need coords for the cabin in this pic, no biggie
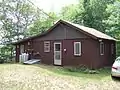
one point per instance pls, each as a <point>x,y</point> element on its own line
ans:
<point>70,44</point>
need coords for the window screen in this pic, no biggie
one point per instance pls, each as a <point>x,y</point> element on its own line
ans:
<point>47,46</point>
<point>77,48</point>
<point>101,48</point>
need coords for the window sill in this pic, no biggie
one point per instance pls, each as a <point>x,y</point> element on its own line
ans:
<point>46,52</point>
<point>77,55</point>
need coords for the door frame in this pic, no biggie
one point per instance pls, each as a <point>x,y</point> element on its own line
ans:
<point>58,62</point>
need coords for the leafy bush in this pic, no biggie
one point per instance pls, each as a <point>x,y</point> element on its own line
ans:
<point>6,53</point>
<point>1,61</point>
<point>83,69</point>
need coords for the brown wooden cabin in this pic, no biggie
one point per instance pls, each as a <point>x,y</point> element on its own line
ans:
<point>69,44</point>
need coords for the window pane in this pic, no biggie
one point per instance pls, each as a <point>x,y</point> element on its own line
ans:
<point>57,47</point>
<point>57,55</point>
<point>112,48</point>
<point>77,48</point>
<point>101,48</point>
<point>46,46</point>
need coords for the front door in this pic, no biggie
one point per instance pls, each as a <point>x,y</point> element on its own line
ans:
<point>57,53</point>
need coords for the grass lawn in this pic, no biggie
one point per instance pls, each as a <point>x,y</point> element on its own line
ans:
<point>43,77</point>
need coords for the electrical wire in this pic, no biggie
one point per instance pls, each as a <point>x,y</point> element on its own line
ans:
<point>41,10</point>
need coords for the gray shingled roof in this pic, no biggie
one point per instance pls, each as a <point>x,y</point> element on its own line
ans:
<point>91,31</point>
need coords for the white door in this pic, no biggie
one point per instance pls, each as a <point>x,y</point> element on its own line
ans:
<point>57,53</point>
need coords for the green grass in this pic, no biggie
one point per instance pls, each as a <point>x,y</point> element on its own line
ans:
<point>63,71</point>
<point>44,77</point>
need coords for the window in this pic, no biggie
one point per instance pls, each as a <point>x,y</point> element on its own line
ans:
<point>57,47</point>
<point>77,48</point>
<point>28,43</point>
<point>112,48</point>
<point>101,48</point>
<point>47,46</point>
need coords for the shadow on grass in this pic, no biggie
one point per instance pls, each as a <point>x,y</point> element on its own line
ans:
<point>101,73</point>
<point>116,79</point>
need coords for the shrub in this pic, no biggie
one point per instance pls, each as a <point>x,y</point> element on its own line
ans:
<point>83,69</point>
<point>1,61</point>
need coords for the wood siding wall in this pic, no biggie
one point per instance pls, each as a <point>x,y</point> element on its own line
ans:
<point>67,36</point>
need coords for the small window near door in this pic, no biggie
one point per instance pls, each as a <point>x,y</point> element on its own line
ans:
<point>46,46</point>
<point>101,48</point>
<point>77,48</point>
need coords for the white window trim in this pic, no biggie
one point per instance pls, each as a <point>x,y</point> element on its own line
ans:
<point>102,53</point>
<point>79,48</point>
<point>47,47</point>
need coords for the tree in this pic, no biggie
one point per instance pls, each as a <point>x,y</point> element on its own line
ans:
<point>113,21</point>
<point>93,14</point>
<point>42,24</point>
<point>69,12</point>
<point>15,18</point>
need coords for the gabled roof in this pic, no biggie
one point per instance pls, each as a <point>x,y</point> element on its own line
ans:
<point>86,30</point>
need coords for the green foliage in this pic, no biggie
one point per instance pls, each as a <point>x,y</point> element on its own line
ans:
<point>6,53</point>
<point>42,24</point>
<point>15,17</point>
<point>93,14</point>
<point>113,21</point>
<point>85,70</point>
<point>82,69</point>
<point>69,12</point>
